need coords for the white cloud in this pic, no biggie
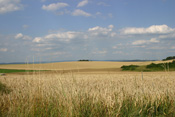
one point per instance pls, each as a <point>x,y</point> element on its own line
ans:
<point>82,3</point>
<point>3,49</point>
<point>10,6</point>
<point>18,36</point>
<point>37,39</point>
<point>154,29</point>
<point>54,6</point>
<point>141,42</point>
<point>67,37</point>
<point>60,36</point>
<point>21,36</point>
<point>97,31</point>
<point>79,12</point>
<point>171,35</point>
<point>101,29</point>
<point>63,36</point>
<point>154,40</point>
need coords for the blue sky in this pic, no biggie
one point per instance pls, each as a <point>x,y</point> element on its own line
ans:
<point>55,30</point>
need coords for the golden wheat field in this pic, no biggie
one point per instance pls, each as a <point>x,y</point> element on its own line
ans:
<point>92,93</point>
<point>76,65</point>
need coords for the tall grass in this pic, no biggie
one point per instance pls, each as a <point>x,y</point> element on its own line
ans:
<point>87,95</point>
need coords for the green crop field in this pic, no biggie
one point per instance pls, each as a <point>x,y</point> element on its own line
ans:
<point>15,71</point>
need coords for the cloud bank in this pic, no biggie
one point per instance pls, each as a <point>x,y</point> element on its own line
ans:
<point>79,12</point>
<point>54,6</point>
<point>10,6</point>
<point>82,3</point>
<point>96,42</point>
<point>154,29</point>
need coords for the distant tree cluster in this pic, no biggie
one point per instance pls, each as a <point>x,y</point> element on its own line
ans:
<point>169,58</point>
<point>161,66</point>
<point>83,60</point>
<point>151,67</point>
<point>129,67</point>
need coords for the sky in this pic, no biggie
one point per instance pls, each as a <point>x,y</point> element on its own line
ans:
<point>60,30</point>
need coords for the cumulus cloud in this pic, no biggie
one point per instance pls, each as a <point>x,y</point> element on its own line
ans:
<point>154,40</point>
<point>97,31</point>
<point>63,36</point>
<point>60,36</point>
<point>171,35</point>
<point>54,6</point>
<point>3,49</point>
<point>82,3</point>
<point>79,12</point>
<point>154,29</point>
<point>10,6</point>
<point>37,39</point>
<point>101,29</point>
<point>66,37</point>
<point>21,36</point>
<point>141,42</point>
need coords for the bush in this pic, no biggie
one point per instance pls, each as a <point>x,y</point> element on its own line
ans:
<point>83,60</point>
<point>153,65</point>
<point>130,67</point>
<point>161,66</point>
<point>169,58</point>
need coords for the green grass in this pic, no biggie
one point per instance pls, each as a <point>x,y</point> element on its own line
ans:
<point>16,70</point>
<point>86,107</point>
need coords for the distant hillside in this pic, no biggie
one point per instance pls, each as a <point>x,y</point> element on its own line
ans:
<point>170,66</point>
<point>169,58</point>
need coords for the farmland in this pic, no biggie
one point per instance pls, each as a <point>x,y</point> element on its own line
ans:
<point>87,89</point>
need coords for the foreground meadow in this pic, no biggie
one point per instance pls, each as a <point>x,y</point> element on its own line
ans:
<point>85,94</point>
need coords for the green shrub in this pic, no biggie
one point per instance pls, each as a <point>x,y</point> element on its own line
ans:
<point>151,67</point>
<point>169,58</point>
<point>83,60</point>
<point>130,67</point>
<point>155,66</point>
